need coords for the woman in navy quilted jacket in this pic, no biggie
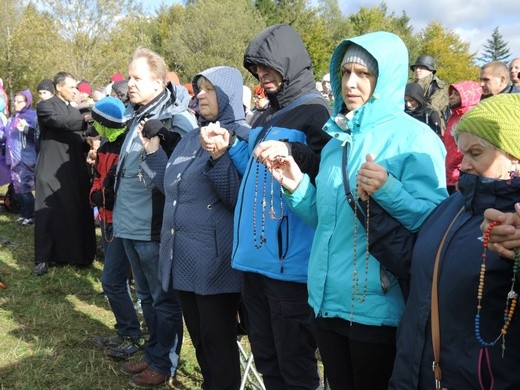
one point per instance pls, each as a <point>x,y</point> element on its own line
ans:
<point>197,233</point>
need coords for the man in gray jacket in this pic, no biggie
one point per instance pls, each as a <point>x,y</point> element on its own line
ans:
<point>138,214</point>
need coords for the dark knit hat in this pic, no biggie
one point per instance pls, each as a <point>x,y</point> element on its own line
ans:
<point>109,112</point>
<point>45,85</point>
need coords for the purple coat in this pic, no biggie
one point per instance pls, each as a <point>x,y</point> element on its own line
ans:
<point>20,146</point>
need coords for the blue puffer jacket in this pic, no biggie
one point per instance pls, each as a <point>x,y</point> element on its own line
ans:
<point>278,247</point>
<point>414,159</point>
<point>197,229</point>
<point>461,258</point>
<point>139,204</point>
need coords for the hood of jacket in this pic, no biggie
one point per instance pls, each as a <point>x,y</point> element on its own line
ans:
<point>387,100</point>
<point>470,93</point>
<point>163,107</point>
<point>227,82</point>
<point>416,92</point>
<point>27,113</point>
<point>281,48</point>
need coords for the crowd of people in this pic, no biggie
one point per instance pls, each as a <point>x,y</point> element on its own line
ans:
<point>374,219</point>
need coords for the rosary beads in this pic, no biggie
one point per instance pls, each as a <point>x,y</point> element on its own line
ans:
<point>511,298</point>
<point>356,295</point>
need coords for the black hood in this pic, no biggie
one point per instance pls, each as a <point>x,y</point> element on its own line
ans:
<point>416,92</point>
<point>280,47</point>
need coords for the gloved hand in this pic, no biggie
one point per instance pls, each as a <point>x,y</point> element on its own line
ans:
<point>154,127</point>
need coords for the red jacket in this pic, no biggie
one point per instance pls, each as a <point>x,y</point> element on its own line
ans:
<point>107,158</point>
<point>470,93</point>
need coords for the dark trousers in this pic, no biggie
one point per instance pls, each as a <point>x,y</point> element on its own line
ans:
<point>355,365</point>
<point>211,321</point>
<point>26,202</point>
<point>281,331</point>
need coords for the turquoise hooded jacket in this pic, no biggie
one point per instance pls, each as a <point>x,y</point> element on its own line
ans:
<point>413,156</point>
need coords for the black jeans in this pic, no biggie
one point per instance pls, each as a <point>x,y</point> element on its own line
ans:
<point>281,331</point>
<point>211,321</point>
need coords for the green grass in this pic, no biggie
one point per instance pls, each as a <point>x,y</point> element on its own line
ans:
<point>47,323</point>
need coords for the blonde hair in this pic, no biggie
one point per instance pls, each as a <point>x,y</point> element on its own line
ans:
<point>155,62</point>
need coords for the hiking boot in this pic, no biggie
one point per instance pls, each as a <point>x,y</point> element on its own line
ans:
<point>127,348</point>
<point>41,269</point>
<point>107,342</point>
<point>148,379</point>
<point>134,368</point>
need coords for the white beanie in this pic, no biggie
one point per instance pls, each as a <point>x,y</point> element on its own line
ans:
<point>358,55</point>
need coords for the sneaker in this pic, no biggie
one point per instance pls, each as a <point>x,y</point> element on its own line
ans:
<point>41,269</point>
<point>107,342</point>
<point>148,379</point>
<point>20,219</point>
<point>127,348</point>
<point>27,222</point>
<point>134,368</point>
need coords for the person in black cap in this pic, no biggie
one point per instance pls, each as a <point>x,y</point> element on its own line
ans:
<point>45,89</point>
<point>435,89</point>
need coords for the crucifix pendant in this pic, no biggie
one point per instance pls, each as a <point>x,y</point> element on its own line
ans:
<point>140,176</point>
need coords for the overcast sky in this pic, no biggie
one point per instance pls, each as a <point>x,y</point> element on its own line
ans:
<point>472,20</point>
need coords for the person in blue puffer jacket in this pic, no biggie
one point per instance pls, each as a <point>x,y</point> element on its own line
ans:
<point>380,155</point>
<point>270,243</point>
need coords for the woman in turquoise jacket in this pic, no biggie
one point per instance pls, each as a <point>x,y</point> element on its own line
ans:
<point>390,159</point>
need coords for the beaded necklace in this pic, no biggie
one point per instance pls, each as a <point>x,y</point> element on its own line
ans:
<point>511,298</point>
<point>356,295</point>
<point>261,241</point>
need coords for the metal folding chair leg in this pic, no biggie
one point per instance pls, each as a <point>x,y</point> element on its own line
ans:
<point>250,377</point>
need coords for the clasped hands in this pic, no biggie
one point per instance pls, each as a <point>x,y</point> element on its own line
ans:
<point>214,139</point>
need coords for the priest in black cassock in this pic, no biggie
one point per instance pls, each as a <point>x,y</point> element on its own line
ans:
<point>64,230</point>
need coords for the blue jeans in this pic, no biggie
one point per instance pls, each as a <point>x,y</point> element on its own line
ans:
<point>26,205</point>
<point>161,309</point>
<point>114,280</point>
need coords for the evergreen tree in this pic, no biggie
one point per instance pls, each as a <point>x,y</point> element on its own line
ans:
<point>496,49</point>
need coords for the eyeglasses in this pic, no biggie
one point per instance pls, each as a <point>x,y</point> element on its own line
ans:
<point>19,102</point>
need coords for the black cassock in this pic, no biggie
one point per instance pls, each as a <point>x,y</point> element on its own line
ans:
<point>64,224</point>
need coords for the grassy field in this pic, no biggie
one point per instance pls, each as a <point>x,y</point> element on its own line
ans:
<point>47,323</point>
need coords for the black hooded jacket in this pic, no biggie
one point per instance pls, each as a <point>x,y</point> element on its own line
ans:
<point>281,48</point>
<point>422,113</point>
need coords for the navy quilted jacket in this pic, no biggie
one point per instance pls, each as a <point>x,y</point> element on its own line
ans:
<point>197,229</point>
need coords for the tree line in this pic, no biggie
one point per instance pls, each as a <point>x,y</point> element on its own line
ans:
<point>94,39</point>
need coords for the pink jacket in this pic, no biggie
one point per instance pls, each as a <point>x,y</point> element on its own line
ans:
<point>470,93</point>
